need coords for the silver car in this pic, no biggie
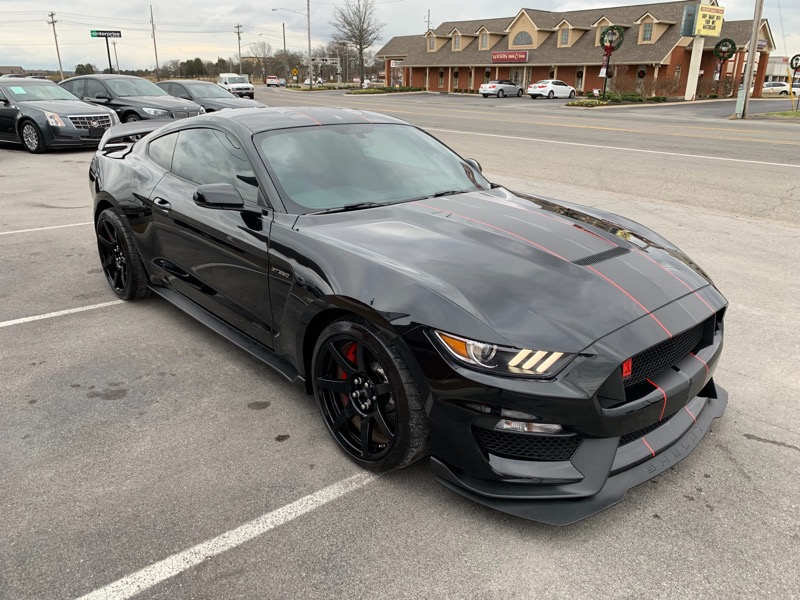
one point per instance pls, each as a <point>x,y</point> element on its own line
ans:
<point>500,88</point>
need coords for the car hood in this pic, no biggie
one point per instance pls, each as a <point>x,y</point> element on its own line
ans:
<point>511,263</point>
<point>66,107</point>
<point>220,103</point>
<point>164,102</point>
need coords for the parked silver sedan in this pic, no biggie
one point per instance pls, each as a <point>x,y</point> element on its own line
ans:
<point>500,88</point>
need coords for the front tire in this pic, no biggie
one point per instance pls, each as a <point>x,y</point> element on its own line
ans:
<point>119,258</point>
<point>572,94</point>
<point>519,93</point>
<point>132,118</point>
<point>31,137</point>
<point>368,397</point>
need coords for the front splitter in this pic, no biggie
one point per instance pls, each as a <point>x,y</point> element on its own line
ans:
<point>567,511</point>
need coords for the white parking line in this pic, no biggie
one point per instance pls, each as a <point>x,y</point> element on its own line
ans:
<point>177,563</point>
<point>528,139</point>
<point>59,313</point>
<point>44,228</point>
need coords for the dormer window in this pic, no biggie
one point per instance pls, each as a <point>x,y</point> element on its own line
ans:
<point>484,41</point>
<point>457,42</point>
<point>523,38</point>
<point>431,43</point>
<point>563,38</point>
<point>647,32</point>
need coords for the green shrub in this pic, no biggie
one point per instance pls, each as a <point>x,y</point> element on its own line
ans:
<point>587,103</point>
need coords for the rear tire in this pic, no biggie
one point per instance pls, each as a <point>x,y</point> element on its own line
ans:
<point>360,381</point>
<point>533,97</point>
<point>119,258</point>
<point>485,95</point>
<point>550,95</point>
<point>500,93</point>
<point>31,137</point>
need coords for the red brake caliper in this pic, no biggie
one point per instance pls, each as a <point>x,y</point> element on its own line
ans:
<point>349,351</point>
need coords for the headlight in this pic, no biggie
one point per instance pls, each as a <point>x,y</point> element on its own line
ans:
<point>114,118</point>
<point>156,112</point>
<point>54,119</point>
<point>202,111</point>
<point>539,364</point>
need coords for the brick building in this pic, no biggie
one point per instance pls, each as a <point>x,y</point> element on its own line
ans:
<point>539,44</point>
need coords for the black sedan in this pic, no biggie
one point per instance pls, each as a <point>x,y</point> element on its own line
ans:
<point>547,356</point>
<point>132,98</point>
<point>40,115</point>
<point>208,95</point>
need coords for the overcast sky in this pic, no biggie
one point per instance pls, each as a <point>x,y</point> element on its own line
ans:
<point>204,28</point>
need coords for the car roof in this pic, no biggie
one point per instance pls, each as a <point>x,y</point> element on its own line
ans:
<point>106,76</point>
<point>188,81</point>
<point>26,81</point>
<point>259,120</point>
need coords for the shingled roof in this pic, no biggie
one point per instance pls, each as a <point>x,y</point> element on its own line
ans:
<point>412,49</point>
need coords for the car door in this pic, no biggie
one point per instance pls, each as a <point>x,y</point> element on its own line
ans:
<point>8,118</point>
<point>561,89</point>
<point>217,258</point>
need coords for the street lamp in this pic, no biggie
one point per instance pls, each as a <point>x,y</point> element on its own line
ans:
<point>308,17</point>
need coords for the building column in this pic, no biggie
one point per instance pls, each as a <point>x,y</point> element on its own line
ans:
<point>410,76</point>
<point>427,79</point>
<point>555,72</point>
<point>758,82</point>
<point>449,79</point>
<point>737,72</point>
<point>497,72</point>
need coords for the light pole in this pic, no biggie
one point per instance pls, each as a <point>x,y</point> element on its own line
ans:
<point>308,19</point>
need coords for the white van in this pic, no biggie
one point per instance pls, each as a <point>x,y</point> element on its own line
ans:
<point>237,84</point>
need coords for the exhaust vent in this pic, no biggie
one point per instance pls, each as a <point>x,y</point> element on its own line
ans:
<point>602,256</point>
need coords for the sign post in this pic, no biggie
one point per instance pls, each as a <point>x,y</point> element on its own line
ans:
<point>794,63</point>
<point>611,39</point>
<point>101,33</point>
<point>724,50</point>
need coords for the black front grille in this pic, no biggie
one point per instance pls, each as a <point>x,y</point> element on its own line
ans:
<point>91,121</point>
<point>640,433</point>
<point>661,357</point>
<point>526,446</point>
<point>180,114</point>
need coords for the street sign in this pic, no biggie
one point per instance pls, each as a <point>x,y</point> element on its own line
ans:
<point>709,20</point>
<point>294,72</point>
<point>795,62</point>
<point>101,33</point>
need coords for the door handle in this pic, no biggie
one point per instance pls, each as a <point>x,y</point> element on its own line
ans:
<point>162,204</point>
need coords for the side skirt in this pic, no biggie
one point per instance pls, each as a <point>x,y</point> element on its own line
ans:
<point>244,342</point>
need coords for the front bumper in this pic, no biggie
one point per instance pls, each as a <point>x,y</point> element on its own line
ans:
<point>70,137</point>
<point>599,474</point>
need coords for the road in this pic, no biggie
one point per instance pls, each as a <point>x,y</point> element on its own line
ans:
<point>130,435</point>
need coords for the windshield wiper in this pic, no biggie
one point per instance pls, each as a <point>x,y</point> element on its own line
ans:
<point>448,193</point>
<point>348,207</point>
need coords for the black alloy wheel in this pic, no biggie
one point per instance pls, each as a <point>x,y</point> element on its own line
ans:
<point>368,397</point>
<point>132,118</point>
<point>32,137</point>
<point>551,94</point>
<point>500,93</point>
<point>119,259</point>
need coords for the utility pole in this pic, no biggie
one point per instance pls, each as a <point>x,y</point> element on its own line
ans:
<point>238,29</point>
<point>310,64</point>
<point>285,58</point>
<point>155,47</point>
<point>429,20</point>
<point>751,58</point>
<point>116,58</point>
<point>53,22</point>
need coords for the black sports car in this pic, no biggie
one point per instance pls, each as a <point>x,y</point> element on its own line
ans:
<point>208,95</point>
<point>132,98</point>
<point>547,356</point>
<point>40,115</point>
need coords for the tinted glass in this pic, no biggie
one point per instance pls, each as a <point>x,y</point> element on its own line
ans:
<point>22,91</point>
<point>327,167</point>
<point>74,87</point>
<point>134,87</point>
<point>211,156</point>
<point>94,87</point>
<point>160,150</point>
<point>239,79</point>
<point>209,90</point>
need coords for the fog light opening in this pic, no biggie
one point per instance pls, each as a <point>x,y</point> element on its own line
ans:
<point>527,427</point>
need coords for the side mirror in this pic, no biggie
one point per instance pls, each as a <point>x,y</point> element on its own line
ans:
<point>101,97</point>
<point>474,164</point>
<point>219,196</point>
<point>4,101</point>
<point>185,96</point>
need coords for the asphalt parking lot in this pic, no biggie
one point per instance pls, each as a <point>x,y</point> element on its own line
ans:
<point>142,455</point>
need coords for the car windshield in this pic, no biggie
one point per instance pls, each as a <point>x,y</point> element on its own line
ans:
<point>23,92</point>
<point>134,87</point>
<point>329,167</point>
<point>209,90</point>
<point>237,80</point>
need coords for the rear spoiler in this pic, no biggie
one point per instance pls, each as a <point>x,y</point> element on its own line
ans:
<point>124,135</point>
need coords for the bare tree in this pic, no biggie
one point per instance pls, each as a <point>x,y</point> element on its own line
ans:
<point>263,52</point>
<point>356,24</point>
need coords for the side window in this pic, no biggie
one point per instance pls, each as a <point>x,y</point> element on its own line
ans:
<point>76,87</point>
<point>160,150</point>
<point>212,156</point>
<point>94,87</point>
<point>176,90</point>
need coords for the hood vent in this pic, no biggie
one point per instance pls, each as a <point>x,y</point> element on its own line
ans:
<point>602,256</point>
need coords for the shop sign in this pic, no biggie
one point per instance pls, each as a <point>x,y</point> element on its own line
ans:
<point>510,57</point>
<point>709,20</point>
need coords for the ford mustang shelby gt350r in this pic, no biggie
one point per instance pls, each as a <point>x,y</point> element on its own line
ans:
<point>548,357</point>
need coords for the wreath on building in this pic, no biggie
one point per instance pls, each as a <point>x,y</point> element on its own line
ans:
<point>618,36</point>
<point>725,49</point>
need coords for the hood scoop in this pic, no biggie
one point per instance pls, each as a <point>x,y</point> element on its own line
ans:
<point>601,256</point>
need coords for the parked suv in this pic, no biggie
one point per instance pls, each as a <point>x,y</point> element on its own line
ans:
<point>132,98</point>
<point>237,84</point>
